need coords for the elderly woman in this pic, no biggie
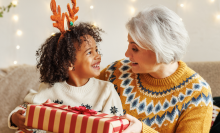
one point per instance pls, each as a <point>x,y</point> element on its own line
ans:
<point>158,90</point>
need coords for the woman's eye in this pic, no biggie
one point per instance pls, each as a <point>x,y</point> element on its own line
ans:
<point>135,49</point>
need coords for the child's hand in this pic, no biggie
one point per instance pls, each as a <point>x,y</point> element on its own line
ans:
<point>18,119</point>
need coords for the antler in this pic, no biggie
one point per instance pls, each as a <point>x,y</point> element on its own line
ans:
<point>71,19</point>
<point>57,16</point>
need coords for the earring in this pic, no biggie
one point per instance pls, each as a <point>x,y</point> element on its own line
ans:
<point>73,68</point>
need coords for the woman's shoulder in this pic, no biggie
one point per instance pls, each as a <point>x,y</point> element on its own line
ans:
<point>197,81</point>
<point>114,69</point>
<point>118,64</point>
<point>197,87</point>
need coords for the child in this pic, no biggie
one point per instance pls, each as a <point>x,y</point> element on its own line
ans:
<point>68,62</point>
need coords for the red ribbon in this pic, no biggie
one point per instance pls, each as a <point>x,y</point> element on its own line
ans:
<point>120,131</point>
<point>82,110</point>
<point>77,110</point>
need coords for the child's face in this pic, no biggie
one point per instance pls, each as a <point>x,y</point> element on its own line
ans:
<point>88,59</point>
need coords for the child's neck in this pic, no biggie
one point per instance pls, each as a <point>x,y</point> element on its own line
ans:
<point>76,81</point>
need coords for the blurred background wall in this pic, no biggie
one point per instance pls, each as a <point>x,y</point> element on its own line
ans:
<point>25,27</point>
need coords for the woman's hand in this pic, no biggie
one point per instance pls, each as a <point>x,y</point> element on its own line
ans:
<point>135,125</point>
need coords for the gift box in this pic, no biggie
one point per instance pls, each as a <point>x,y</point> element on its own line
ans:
<point>59,118</point>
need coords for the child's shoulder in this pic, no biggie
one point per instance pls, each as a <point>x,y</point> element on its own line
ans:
<point>44,86</point>
<point>102,84</point>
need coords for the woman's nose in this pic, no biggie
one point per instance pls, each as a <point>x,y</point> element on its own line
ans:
<point>127,54</point>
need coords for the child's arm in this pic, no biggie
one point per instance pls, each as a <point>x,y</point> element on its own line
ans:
<point>113,103</point>
<point>16,118</point>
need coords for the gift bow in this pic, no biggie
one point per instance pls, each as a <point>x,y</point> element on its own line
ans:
<point>77,110</point>
<point>81,110</point>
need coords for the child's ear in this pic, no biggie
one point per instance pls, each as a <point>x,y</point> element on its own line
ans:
<point>71,67</point>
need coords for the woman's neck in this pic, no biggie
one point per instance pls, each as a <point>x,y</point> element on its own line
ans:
<point>164,70</point>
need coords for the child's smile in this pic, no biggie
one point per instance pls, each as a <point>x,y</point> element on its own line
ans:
<point>96,65</point>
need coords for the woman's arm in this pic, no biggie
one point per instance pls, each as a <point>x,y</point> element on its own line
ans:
<point>195,119</point>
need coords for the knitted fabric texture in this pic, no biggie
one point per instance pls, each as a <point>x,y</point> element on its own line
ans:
<point>179,103</point>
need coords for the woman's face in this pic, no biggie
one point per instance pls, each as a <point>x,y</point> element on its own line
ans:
<point>142,60</point>
<point>88,59</point>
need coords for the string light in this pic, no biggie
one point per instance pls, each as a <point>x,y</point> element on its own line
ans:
<point>19,32</point>
<point>17,47</point>
<point>132,10</point>
<point>14,2</point>
<point>15,17</point>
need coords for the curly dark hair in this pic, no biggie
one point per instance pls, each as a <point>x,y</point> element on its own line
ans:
<point>54,59</point>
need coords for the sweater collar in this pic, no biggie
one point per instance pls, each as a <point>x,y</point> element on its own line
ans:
<point>85,88</point>
<point>168,80</point>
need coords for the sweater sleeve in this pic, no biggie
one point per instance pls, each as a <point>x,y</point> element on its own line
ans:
<point>195,119</point>
<point>20,107</point>
<point>197,116</point>
<point>28,99</point>
<point>113,103</point>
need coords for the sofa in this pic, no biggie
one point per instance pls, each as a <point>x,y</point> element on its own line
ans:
<point>16,81</point>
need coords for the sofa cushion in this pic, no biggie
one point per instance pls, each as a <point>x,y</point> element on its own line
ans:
<point>215,113</point>
<point>15,83</point>
<point>210,71</point>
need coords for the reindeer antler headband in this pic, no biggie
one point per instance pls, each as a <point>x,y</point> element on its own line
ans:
<point>59,19</point>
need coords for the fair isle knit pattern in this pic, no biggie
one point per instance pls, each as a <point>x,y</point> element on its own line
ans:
<point>181,102</point>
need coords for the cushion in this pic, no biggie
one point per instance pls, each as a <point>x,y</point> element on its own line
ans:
<point>215,113</point>
<point>15,81</point>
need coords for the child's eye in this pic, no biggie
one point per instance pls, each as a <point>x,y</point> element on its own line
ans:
<point>89,53</point>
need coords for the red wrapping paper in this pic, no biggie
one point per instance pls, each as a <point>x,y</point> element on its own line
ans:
<point>57,119</point>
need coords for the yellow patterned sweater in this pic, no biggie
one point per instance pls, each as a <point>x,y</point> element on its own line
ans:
<point>180,103</point>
